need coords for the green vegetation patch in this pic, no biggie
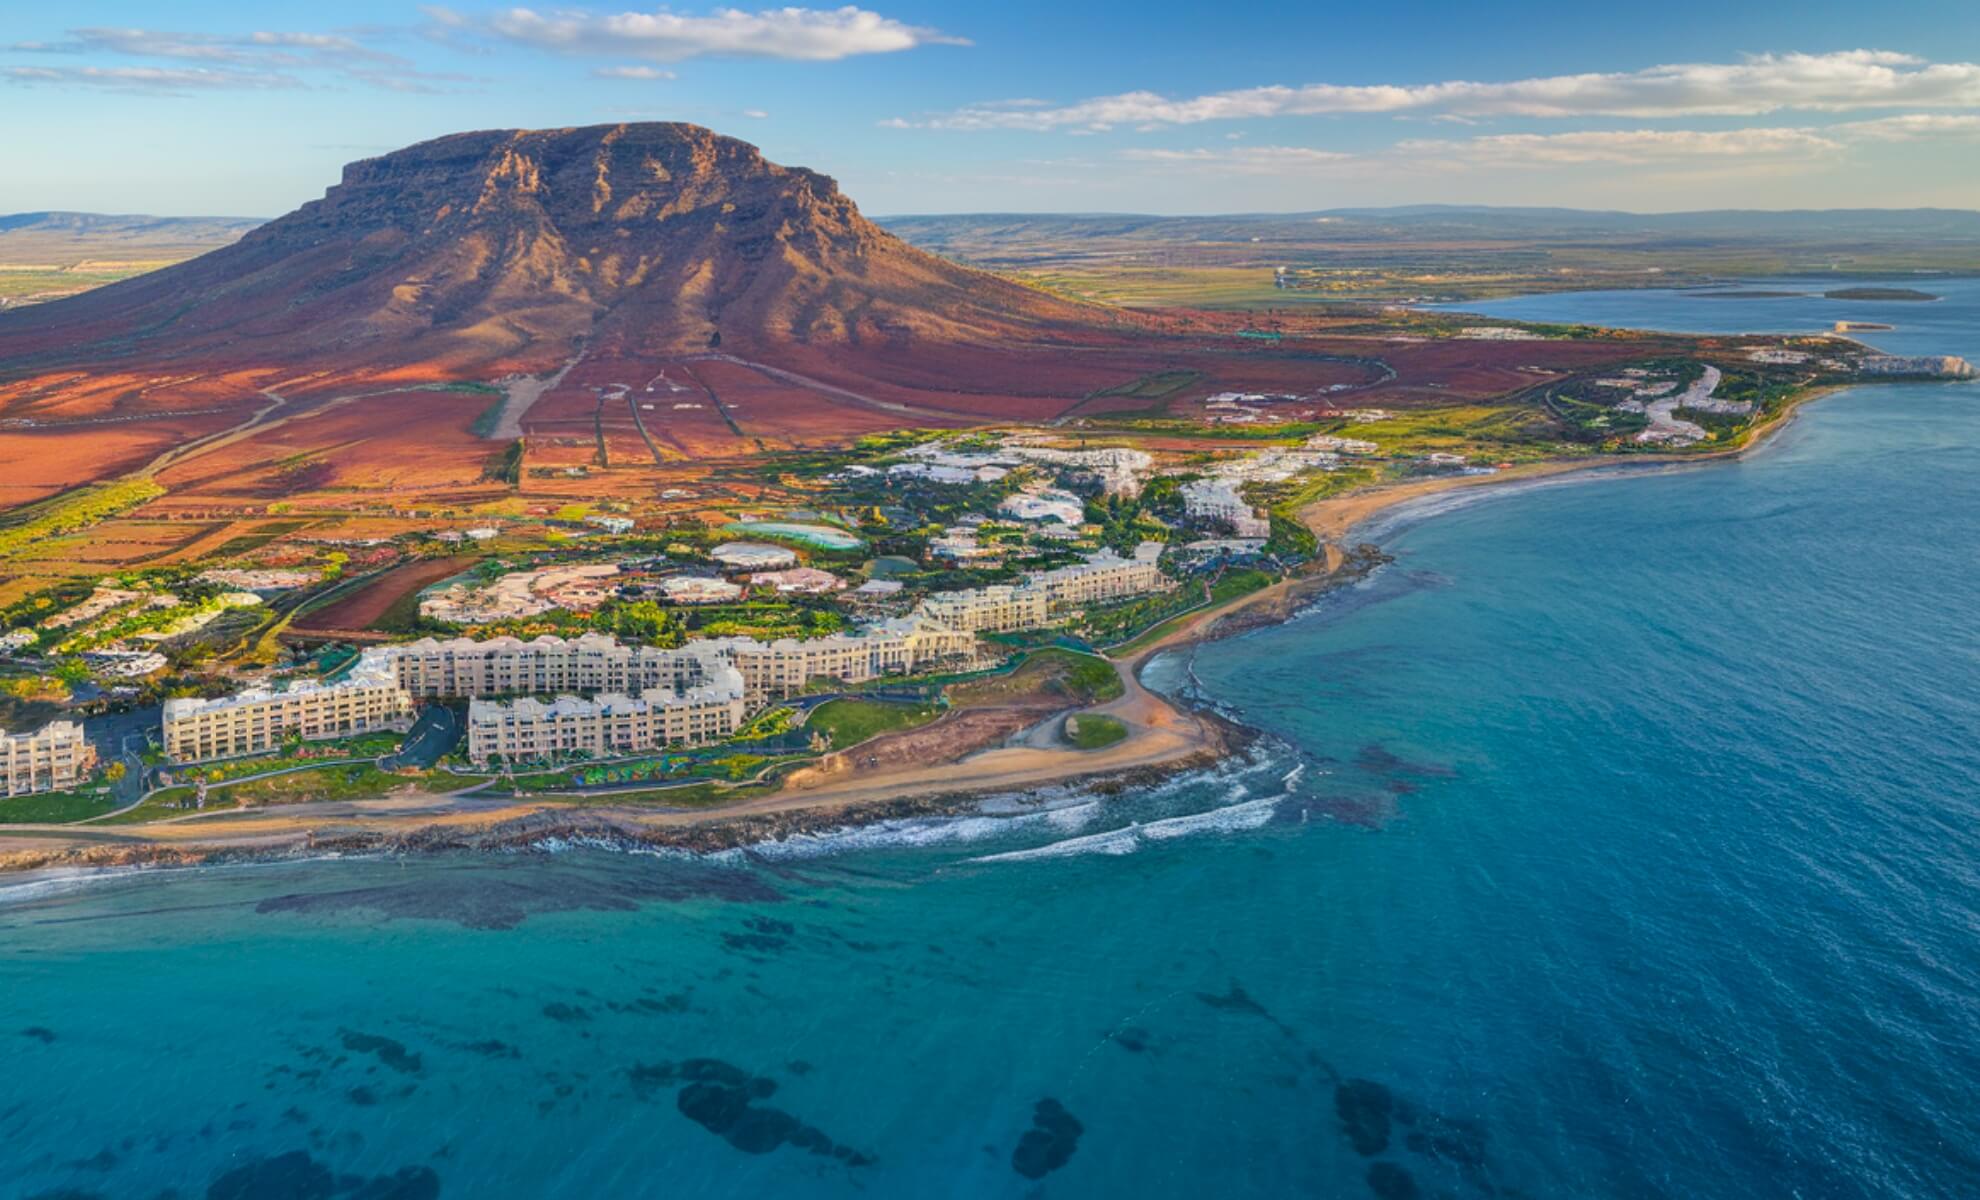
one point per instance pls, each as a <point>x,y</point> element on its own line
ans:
<point>55,808</point>
<point>72,511</point>
<point>848,722</point>
<point>1088,678</point>
<point>1093,731</point>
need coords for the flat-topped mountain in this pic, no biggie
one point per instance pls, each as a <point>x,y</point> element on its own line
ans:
<point>513,244</point>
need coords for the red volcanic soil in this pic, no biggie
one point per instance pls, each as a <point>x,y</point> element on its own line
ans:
<point>396,442</point>
<point>750,304</point>
<point>361,608</point>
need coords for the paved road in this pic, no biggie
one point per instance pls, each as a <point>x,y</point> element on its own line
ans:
<point>437,731</point>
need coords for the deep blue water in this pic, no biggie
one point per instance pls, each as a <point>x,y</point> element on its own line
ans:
<point>1621,839</point>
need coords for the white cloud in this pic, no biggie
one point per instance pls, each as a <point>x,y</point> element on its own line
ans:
<point>1658,149</point>
<point>631,73</point>
<point>755,114</point>
<point>809,34</point>
<point>1250,160</point>
<point>1837,82</point>
<point>261,59</point>
<point>1911,127</point>
<point>1630,147</point>
<point>154,79</point>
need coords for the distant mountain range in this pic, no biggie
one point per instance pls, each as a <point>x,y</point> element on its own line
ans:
<point>1437,222</point>
<point>65,238</point>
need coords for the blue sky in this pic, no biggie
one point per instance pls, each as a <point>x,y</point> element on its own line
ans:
<point>251,109</point>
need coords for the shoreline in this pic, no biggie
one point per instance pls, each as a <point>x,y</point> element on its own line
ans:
<point>1169,736</point>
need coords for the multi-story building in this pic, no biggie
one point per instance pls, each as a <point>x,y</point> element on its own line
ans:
<point>54,757</point>
<point>1218,500</point>
<point>366,700</point>
<point>505,666</point>
<point>526,730</point>
<point>599,663</point>
<point>998,608</point>
<point>1003,608</point>
<point>898,647</point>
<point>1103,576</point>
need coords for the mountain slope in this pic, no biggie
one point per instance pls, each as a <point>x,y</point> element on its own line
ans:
<point>508,245</point>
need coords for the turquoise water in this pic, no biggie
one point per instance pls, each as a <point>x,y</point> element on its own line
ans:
<point>1949,325</point>
<point>1622,838</point>
<point>822,537</point>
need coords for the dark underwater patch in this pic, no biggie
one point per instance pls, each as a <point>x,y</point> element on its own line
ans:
<point>566,1014</point>
<point>1132,1038</point>
<point>724,1099</point>
<point>385,1050</point>
<point>39,1033</point>
<point>1377,759</point>
<point>470,898</point>
<point>1365,1108</point>
<point>490,1048</point>
<point>297,1176</point>
<point>1049,1143</point>
<point>1390,1182</point>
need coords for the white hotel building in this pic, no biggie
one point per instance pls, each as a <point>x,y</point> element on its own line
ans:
<point>1003,608</point>
<point>51,758</point>
<point>610,724</point>
<point>365,701</point>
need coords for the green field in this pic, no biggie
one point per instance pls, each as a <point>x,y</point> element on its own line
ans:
<point>849,722</point>
<point>1093,731</point>
<point>54,808</point>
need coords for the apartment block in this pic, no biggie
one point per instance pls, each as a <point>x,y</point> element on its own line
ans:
<point>526,730</point>
<point>367,700</point>
<point>51,758</point>
<point>506,666</point>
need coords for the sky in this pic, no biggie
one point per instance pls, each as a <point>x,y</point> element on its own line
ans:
<point>206,108</point>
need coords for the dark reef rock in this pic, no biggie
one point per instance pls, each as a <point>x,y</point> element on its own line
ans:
<point>39,1033</point>
<point>1049,1143</point>
<point>475,901</point>
<point>385,1050</point>
<point>297,1176</point>
<point>1365,1108</point>
<point>723,1099</point>
<point>1390,1182</point>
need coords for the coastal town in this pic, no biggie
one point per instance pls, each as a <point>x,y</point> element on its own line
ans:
<point>725,639</point>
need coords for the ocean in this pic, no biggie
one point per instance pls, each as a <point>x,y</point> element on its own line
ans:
<point>1620,839</point>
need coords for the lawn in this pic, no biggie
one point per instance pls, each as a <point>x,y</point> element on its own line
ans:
<point>849,722</point>
<point>54,808</point>
<point>1088,677</point>
<point>1092,731</point>
<point>158,806</point>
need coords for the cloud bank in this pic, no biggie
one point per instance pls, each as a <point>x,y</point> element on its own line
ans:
<point>1760,84</point>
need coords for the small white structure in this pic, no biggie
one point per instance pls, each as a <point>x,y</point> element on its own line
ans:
<point>610,524</point>
<point>1062,507</point>
<point>698,589</point>
<point>799,581</point>
<point>753,556</point>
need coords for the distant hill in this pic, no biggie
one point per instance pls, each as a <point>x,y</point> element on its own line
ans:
<point>67,238</point>
<point>515,245</point>
<point>1434,222</point>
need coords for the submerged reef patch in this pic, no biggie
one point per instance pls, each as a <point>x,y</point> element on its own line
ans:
<point>1049,1143</point>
